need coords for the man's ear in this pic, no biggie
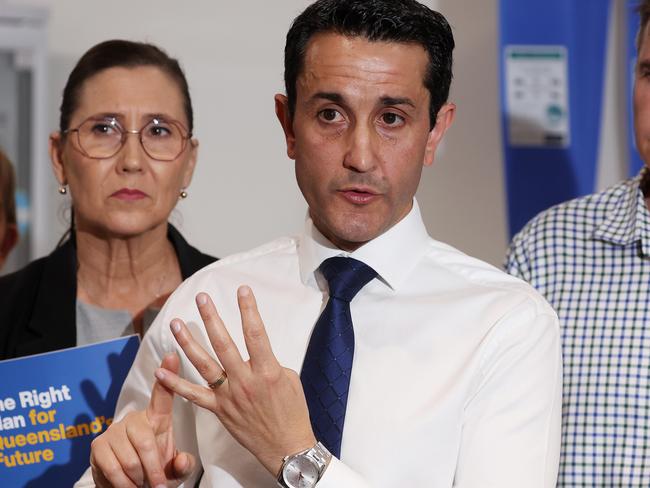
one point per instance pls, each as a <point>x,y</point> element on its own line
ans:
<point>56,157</point>
<point>286,121</point>
<point>444,119</point>
<point>8,243</point>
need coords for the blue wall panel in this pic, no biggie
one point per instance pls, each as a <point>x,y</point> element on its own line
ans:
<point>539,177</point>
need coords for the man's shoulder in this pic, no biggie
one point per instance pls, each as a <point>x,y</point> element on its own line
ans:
<point>549,241</point>
<point>482,277</point>
<point>267,258</point>
<point>580,217</point>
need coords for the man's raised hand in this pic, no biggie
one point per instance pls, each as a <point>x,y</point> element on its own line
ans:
<point>261,403</point>
<point>140,448</point>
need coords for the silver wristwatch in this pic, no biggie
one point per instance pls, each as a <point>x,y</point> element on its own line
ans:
<point>304,469</point>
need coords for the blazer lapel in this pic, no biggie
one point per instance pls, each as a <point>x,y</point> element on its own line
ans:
<point>53,322</point>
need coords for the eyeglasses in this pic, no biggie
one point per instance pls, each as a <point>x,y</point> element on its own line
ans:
<point>102,138</point>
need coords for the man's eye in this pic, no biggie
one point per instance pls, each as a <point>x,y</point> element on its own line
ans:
<point>392,119</point>
<point>330,115</point>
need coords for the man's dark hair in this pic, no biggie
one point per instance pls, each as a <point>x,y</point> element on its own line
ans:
<point>121,54</point>
<point>644,16</point>
<point>405,21</point>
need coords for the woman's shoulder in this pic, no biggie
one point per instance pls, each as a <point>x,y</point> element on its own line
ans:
<point>18,294</point>
<point>21,287</point>
<point>20,282</point>
<point>34,297</point>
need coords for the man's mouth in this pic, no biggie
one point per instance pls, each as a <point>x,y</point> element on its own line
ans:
<point>359,196</point>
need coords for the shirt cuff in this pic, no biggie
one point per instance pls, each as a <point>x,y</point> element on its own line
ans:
<point>339,474</point>
<point>86,481</point>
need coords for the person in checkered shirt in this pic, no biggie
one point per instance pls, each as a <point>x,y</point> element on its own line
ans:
<point>590,258</point>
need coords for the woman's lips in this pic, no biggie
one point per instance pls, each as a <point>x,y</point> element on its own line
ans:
<point>129,194</point>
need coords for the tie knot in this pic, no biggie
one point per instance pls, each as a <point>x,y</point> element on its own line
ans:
<point>346,276</point>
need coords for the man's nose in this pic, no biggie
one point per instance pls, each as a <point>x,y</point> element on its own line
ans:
<point>360,155</point>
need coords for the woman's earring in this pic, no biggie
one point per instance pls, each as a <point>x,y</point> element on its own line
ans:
<point>63,189</point>
<point>183,194</point>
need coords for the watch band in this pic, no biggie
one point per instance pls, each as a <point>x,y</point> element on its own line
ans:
<point>318,455</point>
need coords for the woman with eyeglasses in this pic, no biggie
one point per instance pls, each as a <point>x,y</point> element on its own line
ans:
<point>124,154</point>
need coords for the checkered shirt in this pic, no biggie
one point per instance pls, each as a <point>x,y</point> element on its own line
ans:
<point>590,258</point>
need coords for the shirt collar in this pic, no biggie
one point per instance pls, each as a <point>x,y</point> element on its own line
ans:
<point>392,255</point>
<point>628,220</point>
<point>642,223</point>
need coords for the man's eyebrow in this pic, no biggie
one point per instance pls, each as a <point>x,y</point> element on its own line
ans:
<point>644,65</point>
<point>331,96</point>
<point>386,101</point>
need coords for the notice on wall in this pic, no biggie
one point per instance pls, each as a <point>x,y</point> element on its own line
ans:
<point>53,405</point>
<point>537,96</point>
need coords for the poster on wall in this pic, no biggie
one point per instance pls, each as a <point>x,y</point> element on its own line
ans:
<point>537,95</point>
<point>53,405</point>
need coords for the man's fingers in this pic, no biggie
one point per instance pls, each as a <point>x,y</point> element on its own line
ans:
<point>130,462</point>
<point>160,407</point>
<point>257,341</point>
<point>220,339</point>
<point>206,365</point>
<point>199,395</point>
<point>102,481</point>
<point>182,465</point>
<point>144,443</point>
<point>106,469</point>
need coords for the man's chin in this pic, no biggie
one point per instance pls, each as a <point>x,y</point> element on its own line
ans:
<point>351,235</point>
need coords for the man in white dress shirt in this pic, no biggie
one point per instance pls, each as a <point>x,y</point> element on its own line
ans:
<point>456,379</point>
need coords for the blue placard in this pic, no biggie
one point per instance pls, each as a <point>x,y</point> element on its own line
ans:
<point>52,406</point>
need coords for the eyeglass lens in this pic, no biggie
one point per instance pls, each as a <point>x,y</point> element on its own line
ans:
<point>160,139</point>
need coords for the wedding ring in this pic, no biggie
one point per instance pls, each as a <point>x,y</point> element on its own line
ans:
<point>216,384</point>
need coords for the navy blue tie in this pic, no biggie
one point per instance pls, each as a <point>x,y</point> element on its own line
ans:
<point>327,366</point>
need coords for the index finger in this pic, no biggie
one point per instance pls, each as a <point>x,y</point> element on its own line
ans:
<point>159,410</point>
<point>255,336</point>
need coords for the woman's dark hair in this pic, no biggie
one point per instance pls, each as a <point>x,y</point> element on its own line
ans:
<point>123,54</point>
<point>404,21</point>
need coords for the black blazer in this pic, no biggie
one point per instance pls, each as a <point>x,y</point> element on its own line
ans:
<point>38,302</point>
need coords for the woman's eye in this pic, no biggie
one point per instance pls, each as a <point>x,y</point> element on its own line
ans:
<point>103,129</point>
<point>392,119</point>
<point>330,115</point>
<point>158,131</point>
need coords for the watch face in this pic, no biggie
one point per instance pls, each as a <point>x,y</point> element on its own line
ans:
<point>300,472</point>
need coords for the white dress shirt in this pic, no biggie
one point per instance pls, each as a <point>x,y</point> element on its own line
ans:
<point>456,378</point>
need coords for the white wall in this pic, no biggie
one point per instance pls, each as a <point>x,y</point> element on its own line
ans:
<point>244,191</point>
